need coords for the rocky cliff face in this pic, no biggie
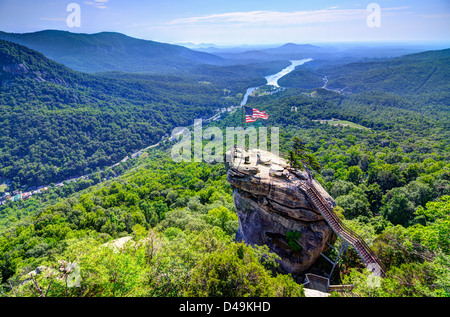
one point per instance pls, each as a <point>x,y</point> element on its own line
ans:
<point>14,70</point>
<point>274,211</point>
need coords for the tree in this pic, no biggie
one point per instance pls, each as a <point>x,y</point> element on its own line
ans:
<point>341,187</point>
<point>300,157</point>
<point>354,204</point>
<point>397,208</point>
<point>374,196</point>
<point>238,271</point>
<point>223,218</point>
<point>355,175</point>
<point>386,175</point>
<point>160,209</point>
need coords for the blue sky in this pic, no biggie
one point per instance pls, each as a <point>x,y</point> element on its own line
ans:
<point>238,22</point>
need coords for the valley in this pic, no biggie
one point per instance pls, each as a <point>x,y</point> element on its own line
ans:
<point>93,127</point>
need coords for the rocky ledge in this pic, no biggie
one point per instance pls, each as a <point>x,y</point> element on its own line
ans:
<point>274,211</point>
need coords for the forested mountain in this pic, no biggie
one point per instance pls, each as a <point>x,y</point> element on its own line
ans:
<point>388,172</point>
<point>108,51</point>
<point>391,183</point>
<point>185,211</point>
<point>425,72</point>
<point>57,123</point>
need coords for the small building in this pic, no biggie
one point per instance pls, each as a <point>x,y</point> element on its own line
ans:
<point>137,154</point>
<point>17,197</point>
<point>26,195</point>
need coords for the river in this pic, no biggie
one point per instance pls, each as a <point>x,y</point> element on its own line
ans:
<point>273,79</point>
<point>248,93</point>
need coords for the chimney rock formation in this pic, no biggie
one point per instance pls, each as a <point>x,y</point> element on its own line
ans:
<point>274,211</point>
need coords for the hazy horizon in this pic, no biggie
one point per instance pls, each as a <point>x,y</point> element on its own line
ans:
<point>339,45</point>
<point>237,23</point>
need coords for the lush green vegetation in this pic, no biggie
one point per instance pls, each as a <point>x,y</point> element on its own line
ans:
<point>57,123</point>
<point>387,181</point>
<point>182,220</point>
<point>410,74</point>
<point>391,183</point>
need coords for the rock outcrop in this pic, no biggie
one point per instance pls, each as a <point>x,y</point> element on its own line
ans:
<point>15,69</point>
<point>274,211</point>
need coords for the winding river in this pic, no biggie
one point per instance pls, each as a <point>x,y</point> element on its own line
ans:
<point>273,79</point>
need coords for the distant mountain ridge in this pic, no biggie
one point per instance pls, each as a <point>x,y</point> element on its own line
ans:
<point>342,53</point>
<point>417,73</point>
<point>109,51</point>
<point>288,51</point>
<point>112,52</point>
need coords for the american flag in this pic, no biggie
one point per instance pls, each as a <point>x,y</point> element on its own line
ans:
<point>252,114</point>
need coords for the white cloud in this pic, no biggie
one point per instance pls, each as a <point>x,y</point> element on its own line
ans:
<point>274,18</point>
<point>260,27</point>
<point>100,4</point>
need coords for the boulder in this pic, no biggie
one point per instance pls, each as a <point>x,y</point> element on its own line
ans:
<point>274,211</point>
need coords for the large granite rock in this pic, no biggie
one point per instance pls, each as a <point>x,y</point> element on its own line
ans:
<point>274,211</point>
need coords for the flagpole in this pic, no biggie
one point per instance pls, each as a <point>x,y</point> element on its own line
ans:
<point>242,137</point>
<point>242,116</point>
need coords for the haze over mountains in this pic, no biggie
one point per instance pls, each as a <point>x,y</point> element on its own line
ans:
<point>417,73</point>
<point>108,51</point>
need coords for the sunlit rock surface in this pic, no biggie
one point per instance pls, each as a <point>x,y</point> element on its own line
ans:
<point>274,211</point>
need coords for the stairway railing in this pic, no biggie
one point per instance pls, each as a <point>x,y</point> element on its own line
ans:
<point>357,242</point>
<point>336,224</point>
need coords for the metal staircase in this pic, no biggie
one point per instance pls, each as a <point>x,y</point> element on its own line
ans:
<point>347,235</point>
